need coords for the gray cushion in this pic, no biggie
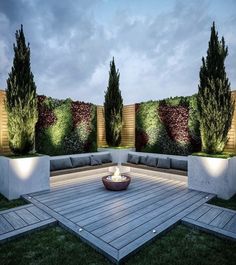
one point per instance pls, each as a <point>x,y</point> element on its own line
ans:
<point>151,161</point>
<point>95,160</point>
<point>143,160</point>
<point>129,158</point>
<point>58,164</point>
<point>106,158</point>
<point>80,161</point>
<point>163,162</point>
<point>134,159</point>
<point>179,164</point>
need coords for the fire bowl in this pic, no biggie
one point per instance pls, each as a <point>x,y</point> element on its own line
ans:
<point>116,185</point>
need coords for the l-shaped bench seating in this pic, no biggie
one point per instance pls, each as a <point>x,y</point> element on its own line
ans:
<point>167,164</point>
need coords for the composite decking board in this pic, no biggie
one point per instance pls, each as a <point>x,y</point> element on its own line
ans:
<point>92,186</point>
<point>70,192</point>
<point>222,219</point>
<point>221,232</point>
<point>171,217</point>
<point>16,208</point>
<point>125,221</point>
<point>219,207</point>
<point>41,215</point>
<point>4,226</point>
<point>83,183</point>
<point>135,203</point>
<point>145,218</point>
<point>15,220</point>
<point>129,196</point>
<point>27,216</point>
<point>100,211</point>
<point>231,225</point>
<point>159,230</point>
<point>105,194</point>
<point>197,213</point>
<point>99,190</point>
<point>105,248</point>
<point>26,229</point>
<point>209,215</point>
<point>113,215</point>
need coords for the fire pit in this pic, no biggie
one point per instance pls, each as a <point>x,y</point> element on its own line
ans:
<point>116,181</point>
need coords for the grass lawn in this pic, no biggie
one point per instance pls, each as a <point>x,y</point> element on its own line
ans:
<point>231,203</point>
<point>182,245</point>
<point>5,204</point>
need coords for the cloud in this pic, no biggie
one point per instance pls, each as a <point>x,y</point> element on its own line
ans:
<point>158,55</point>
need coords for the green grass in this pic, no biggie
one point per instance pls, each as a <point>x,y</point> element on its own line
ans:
<point>181,246</point>
<point>231,203</point>
<point>224,155</point>
<point>5,204</point>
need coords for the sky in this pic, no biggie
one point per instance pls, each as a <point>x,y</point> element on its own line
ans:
<point>157,45</point>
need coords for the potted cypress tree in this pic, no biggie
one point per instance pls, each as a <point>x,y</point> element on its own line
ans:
<point>23,172</point>
<point>212,170</point>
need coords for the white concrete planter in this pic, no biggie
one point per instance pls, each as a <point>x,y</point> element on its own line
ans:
<point>20,176</point>
<point>118,155</point>
<point>213,175</point>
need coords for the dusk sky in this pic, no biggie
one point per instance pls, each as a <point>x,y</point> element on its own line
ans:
<point>157,45</point>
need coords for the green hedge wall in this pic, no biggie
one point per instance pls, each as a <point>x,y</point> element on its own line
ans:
<point>65,127</point>
<point>168,126</point>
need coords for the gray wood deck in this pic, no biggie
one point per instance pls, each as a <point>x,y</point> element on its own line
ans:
<point>217,220</point>
<point>118,223</point>
<point>21,220</point>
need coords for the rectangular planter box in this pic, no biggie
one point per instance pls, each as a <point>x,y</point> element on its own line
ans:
<point>213,175</point>
<point>118,155</point>
<point>23,175</point>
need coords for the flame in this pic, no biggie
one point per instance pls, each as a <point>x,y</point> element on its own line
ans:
<point>116,177</point>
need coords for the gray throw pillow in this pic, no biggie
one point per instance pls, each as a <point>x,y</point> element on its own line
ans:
<point>163,163</point>
<point>134,159</point>
<point>129,158</point>
<point>151,161</point>
<point>58,164</point>
<point>95,160</point>
<point>179,164</point>
<point>106,158</point>
<point>80,161</point>
<point>143,160</point>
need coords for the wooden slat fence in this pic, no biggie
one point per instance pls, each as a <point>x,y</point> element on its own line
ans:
<point>128,128</point>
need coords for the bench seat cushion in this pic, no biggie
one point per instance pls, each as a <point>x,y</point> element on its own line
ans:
<point>164,170</point>
<point>80,169</point>
<point>80,161</point>
<point>60,164</point>
<point>179,164</point>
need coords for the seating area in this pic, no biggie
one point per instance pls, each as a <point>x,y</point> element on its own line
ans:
<point>61,165</point>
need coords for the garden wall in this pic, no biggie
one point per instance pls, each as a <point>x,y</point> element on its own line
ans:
<point>168,126</point>
<point>65,126</point>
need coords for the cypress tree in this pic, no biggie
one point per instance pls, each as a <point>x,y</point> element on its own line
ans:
<point>215,105</point>
<point>21,99</point>
<point>113,106</point>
